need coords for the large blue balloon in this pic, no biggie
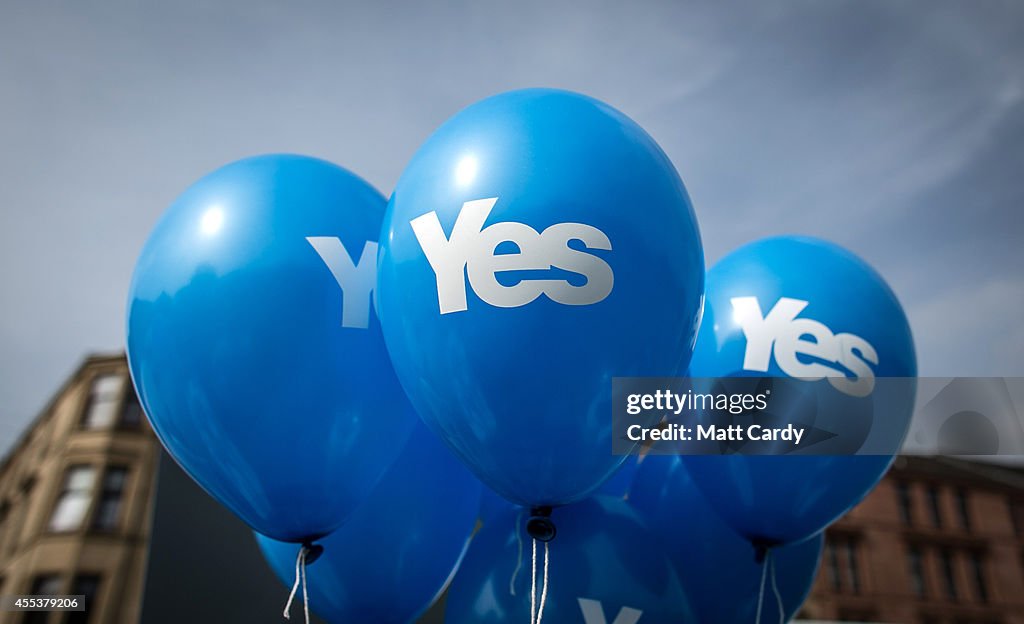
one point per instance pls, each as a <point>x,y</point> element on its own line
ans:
<point>717,567</point>
<point>604,561</point>
<point>537,245</point>
<point>269,386</point>
<point>816,312</point>
<point>493,505</point>
<point>621,481</point>
<point>394,556</point>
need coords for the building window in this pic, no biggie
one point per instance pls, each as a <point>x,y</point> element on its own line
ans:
<point>131,411</point>
<point>852,569</point>
<point>978,572</point>
<point>104,398</point>
<point>109,506</point>
<point>844,569</point>
<point>934,505</point>
<point>916,571</point>
<point>833,565</point>
<point>46,585</point>
<point>86,585</point>
<point>74,499</point>
<point>903,498</point>
<point>948,573</point>
<point>43,585</point>
<point>963,507</point>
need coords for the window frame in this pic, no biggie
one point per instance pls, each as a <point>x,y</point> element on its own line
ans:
<point>979,576</point>
<point>851,549</point>
<point>963,507</point>
<point>71,617</point>
<point>905,502</point>
<point>130,398</point>
<point>933,494</point>
<point>916,569</point>
<point>32,589</point>
<point>98,499</point>
<point>90,400</point>
<point>947,566</point>
<point>835,571</point>
<point>63,490</point>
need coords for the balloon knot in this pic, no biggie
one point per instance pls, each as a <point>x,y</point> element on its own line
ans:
<point>539,525</point>
<point>761,548</point>
<point>313,551</point>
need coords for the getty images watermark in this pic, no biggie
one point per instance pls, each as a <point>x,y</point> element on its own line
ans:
<point>790,416</point>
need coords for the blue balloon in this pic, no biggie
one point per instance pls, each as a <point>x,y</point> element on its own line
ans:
<point>271,388</point>
<point>621,481</point>
<point>604,561</point>
<point>717,567</point>
<point>506,337</point>
<point>815,312</point>
<point>396,554</point>
<point>493,505</point>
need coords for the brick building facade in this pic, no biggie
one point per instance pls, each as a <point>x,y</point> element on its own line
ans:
<point>939,541</point>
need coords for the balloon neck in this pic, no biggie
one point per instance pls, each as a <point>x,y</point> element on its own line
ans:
<point>761,548</point>
<point>539,526</point>
<point>313,551</point>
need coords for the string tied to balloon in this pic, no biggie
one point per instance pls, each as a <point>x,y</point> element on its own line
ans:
<point>308,553</point>
<point>763,555</point>
<point>775,590</point>
<point>541,529</point>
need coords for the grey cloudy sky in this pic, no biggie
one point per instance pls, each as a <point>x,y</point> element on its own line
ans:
<point>893,128</point>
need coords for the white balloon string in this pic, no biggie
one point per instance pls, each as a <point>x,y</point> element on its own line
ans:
<point>300,562</point>
<point>544,586</point>
<point>760,596</point>
<point>519,555</point>
<point>775,590</point>
<point>305,595</point>
<point>533,585</point>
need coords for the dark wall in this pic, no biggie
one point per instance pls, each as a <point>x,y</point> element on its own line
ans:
<point>204,564</point>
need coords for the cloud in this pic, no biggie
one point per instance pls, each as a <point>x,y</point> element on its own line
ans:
<point>891,128</point>
<point>979,323</point>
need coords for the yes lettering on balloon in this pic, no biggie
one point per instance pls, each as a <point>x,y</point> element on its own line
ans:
<point>356,280</point>
<point>471,250</point>
<point>593,613</point>
<point>780,331</point>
